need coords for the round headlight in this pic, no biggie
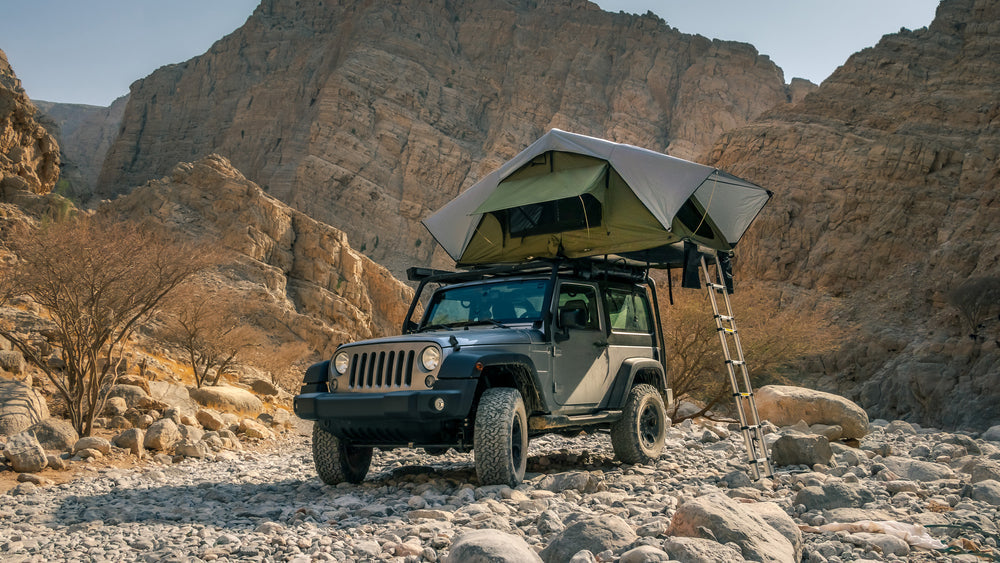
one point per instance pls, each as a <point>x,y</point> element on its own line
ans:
<point>430,358</point>
<point>340,362</point>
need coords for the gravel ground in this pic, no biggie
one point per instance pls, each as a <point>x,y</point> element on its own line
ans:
<point>268,505</point>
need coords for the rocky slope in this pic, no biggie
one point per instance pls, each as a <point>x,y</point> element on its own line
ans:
<point>85,134</point>
<point>886,197</point>
<point>368,116</point>
<point>29,156</point>
<point>320,289</point>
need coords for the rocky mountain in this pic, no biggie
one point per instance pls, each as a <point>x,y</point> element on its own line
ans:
<point>85,134</point>
<point>316,285</point>
<point>29,156</point>
<point>368,116</point>
<point>886,182</point>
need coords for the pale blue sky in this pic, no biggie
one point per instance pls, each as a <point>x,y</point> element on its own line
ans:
<point>90,51</point>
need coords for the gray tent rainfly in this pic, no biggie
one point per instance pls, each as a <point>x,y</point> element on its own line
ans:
<point>570,195</point>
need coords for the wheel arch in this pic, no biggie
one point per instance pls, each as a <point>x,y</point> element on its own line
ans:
<point>634,371</point>
<point>511,370</point>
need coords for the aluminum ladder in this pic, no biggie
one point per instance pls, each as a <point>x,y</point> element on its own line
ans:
<point>757,459</point>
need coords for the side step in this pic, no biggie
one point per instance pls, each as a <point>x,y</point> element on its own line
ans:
<point>546,422</point>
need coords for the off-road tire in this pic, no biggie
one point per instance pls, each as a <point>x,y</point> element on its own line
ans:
<point>500,441</point>
<point>337,461</point>
<point>639,435</point>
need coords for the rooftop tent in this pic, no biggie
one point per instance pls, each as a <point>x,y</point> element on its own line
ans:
<point>575,196</point>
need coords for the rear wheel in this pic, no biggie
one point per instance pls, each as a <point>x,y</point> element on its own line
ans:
<point>500,441</point>
<point>336,460</point>
<point>639,436</point>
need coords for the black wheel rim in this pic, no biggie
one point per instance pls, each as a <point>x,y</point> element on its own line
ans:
<point>649,426</point>
<point>516,439</point>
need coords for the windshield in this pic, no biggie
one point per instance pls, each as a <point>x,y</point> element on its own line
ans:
<point>497,303</point>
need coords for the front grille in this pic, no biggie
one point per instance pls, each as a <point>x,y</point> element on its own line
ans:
<point>383,368</point>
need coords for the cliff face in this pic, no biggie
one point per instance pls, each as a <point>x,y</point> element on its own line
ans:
<point>318,287</point>
<point>85,134</point>
<point>368,116</point>
<point>29,156</point>
<point>888,195</point>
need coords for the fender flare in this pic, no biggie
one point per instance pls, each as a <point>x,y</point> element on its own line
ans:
<point>627,373</point>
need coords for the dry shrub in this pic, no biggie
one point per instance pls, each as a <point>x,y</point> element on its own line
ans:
<point>777,332</point>
<point>97,280</point>
<point>976,300</point>
<point>219,327</point>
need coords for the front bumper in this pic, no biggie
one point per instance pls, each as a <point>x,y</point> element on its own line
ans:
<point>393,419</point>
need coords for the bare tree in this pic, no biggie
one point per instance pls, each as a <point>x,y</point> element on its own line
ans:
<point>214,327</point>
<point>97,280</point>
<point>775,336</point>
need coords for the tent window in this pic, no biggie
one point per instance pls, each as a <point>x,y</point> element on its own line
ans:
<point>566,214</point>
<point>692,218</point>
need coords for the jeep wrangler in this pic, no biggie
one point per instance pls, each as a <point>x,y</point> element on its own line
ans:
<point>500,354</point>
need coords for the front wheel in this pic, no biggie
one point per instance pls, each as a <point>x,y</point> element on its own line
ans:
<point>336,460</point>
<point>639,436</point>
<point>500,441</point>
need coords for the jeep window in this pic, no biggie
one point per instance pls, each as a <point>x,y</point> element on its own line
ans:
<point>500,302</point>
<point>573,297</point>
<point>628,311</point>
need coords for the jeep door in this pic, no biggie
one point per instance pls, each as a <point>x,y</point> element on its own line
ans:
<point>580,374</point>
<point>630,319</point>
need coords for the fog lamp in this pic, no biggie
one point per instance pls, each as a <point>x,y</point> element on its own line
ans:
<point>439,404</point>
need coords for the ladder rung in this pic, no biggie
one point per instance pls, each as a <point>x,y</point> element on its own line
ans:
<point>751,427</point>
<point>736,362</point>
<point>726,318</point>
<point>729,330</point>
<point>716,286</point>
<point>743,395</point>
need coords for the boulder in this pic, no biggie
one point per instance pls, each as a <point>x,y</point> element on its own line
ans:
<point>644,554</point>
<point>93,443</point>
<point>132,440</point>
<point>175,395</point>
<point>729,521</point>
<point>229,399</point>
<point>115,406</point>
<point>490,546</point>
<point>162,435</point>
<point>132,394</point>
<point>801,449</point>
<point>916,470</point>
<point>12,361</point>
<point>992,434</point>
<point>836,494</point>
<point>134,380</point>
<point>700,550</point>
<point>987,491</point>
<point>253,429</point>
<point>265,387</point>
<point>592,533</point>
<point>784,405</point>
<point>210,419</point>
<point>55,434</point>
<point>982,469</point>
<point>777,518</point>
<point>190,448</point>
<point>25,454</point>
<point>20,407</point>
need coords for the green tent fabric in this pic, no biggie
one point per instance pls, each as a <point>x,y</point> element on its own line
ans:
<point>576,196</point>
